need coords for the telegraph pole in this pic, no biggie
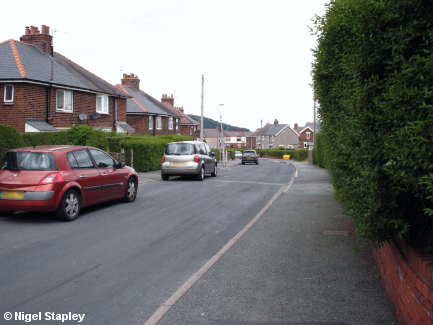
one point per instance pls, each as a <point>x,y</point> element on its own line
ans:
<point>202,94</point>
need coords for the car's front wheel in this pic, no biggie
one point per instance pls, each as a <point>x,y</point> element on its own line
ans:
<point>131,190</point>
<point>200,176</point>
<point>70,206</point>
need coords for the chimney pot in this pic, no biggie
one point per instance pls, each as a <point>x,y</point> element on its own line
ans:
<point>276,122</point>
<point>32,30</point>
<point>27,30</point>
<point>45,29</point>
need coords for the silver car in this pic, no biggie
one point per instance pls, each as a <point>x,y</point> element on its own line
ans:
<point>188,158</point>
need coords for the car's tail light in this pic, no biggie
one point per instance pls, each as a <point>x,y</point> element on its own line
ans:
<point>196,158</point>
<point>163,159</point>
<point>51,178</point>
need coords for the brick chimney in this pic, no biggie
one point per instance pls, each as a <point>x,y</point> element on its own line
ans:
<point>276,122</point>
<point>44,41</point>
<point>180,109</point>
<point>295,127</point>
<point>166,99</point>
<point>131,81</point>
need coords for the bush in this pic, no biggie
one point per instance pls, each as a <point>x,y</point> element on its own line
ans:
<point>10,139</point>
<point>45,138</point>
<point>98,139</point>
<point>79,135</point>
<point>373,77</point>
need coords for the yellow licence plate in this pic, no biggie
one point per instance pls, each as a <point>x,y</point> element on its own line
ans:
<point>178,163</point>
<point>15,195</point>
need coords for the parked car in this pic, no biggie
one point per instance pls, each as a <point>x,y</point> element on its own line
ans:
<point>238,154</point>
<point>63,179</point>
<point>188,158</point>
<point>250,156</point>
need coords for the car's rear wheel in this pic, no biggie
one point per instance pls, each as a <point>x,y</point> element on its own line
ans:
<point>164,177</point>
<point>70,206</point>
<point>200,176</point>
<point>214,174</point>
<point>131,190</point>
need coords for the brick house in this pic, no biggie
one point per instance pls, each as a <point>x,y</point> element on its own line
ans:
<point>187,125</point>
<point>149,116</point>
<point>306,134</point>
<point>41,90</point>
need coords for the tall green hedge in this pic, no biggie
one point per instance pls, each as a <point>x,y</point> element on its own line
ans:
<point>373,78</point>
<point>319,156</point>
<point>10,139</point>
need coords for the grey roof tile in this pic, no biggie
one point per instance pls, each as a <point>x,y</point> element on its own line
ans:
<point>40,66</point>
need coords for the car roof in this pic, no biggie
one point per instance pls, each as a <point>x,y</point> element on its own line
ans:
<point>48,148</point>
<point>191,142</point>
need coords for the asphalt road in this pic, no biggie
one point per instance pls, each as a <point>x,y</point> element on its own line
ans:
<point>118,262</point>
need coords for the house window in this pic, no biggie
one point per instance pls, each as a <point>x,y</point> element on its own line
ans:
<point>177,124</point>
<point>308,135</point>
<point>150,122</point>
<point>9,94</point>
<point>159,123</point>
<point>305,145</point>
<point>65,100</point>
<point>170,123</point>
<point>102,104</point>
<point>263,137</point>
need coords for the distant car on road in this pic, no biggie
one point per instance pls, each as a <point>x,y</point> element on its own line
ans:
<point>238,154</point>
<point>250,156</point>
<point>188,158</point>
<point>63,179</point>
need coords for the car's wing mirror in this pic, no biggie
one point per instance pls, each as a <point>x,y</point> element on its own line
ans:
<point>120,164</point>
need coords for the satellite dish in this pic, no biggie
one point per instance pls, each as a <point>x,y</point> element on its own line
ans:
<point>96,116</point>
<point>82,117</point>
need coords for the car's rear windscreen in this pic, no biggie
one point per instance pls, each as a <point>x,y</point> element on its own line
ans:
<point>29,161</point>
<point>180,149</point>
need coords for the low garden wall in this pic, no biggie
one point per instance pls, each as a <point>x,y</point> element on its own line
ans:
<point>408,277</point>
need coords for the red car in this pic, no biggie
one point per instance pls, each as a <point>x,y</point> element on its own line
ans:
<point>63,179</point>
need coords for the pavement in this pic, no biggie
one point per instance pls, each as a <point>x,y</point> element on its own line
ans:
<point>293,264</point>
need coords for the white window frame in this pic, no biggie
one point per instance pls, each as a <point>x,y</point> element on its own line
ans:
<point>305,145</point>
<point>159,123</point>
<point>9,100</point>
<point>103,107</point>
<point>66,94</point>
<point>308,135</point>
<point>170,123</point>
<point>150,122</point>
<point>177,124</point>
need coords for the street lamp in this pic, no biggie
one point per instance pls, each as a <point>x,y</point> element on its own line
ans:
<point>222,143</point>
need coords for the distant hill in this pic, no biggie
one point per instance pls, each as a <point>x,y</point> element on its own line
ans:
<point>208,123</point>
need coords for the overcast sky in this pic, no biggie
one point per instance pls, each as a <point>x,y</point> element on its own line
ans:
<point>255,55</point>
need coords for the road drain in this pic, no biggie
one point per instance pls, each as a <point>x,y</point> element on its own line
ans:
<point>343,233</point>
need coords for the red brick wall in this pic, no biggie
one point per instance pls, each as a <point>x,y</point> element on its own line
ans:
<point>32,101</point>
<point>408,278</point>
